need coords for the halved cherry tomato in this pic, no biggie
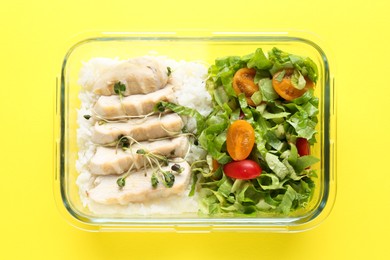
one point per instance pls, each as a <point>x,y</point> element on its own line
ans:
<point>285,88</point>
<point>243,82</point>
<point>244,170</point>
<point>303,146</point>
<point>240,139</point>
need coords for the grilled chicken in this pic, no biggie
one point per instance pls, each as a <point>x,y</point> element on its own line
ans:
<point>139,129</point>
<point>108,160</point>
<point>138,187</point>
<point>139,75</point>
<point>134,105</point>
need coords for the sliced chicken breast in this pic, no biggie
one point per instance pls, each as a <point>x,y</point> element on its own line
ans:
<point>140,129</point>
<point>108,160</point>
<point>138,187</point>
<point>134,105</point>
<point>140,76</point>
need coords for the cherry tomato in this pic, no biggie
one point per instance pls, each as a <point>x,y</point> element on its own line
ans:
<point>240,140</point>
<point>285,88</point>
<point>243,82</point>
<point>244,170</point>
<point>303,146</point>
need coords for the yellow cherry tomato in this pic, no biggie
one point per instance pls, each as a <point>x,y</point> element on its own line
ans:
<point>240,140</point>
<point>243,82</point>
<point>285,88</point>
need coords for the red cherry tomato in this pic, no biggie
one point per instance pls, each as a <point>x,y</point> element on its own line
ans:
<point>303,146</point>
<point>244,170</point>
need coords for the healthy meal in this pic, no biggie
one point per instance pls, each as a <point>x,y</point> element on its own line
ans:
<point>160,136</point>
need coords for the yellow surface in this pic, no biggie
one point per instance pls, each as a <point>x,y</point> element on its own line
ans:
<point>34,37</point>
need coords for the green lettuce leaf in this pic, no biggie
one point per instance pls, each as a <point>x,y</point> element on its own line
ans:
<point>183,111</point>
<point>269,182</point>
<point>304,162</point>
<point>257,97</point>
<point>267,90</point>
<point>303,125</point>
<point>276,166</point>
<point>297,80</point>
<point>287,201</point>
<point>284,60</point>
<point>259,61</point>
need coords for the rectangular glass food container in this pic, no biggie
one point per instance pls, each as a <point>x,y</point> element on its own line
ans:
<point>200,46</point>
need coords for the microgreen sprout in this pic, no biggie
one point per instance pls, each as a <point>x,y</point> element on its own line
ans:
<point>168,179</point>
<point>121,118</point>
<point>155,161</point>
<point>154,180</point>
<point>176,168</point>
<point>123,142</point>
<point>141,151</point>
<point>121,182</point>
<point>119,89</point>
<point>160,107</point>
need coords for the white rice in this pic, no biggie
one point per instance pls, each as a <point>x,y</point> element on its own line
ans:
<point>190,91</point>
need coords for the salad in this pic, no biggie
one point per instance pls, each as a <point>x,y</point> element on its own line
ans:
<point>258,136</point>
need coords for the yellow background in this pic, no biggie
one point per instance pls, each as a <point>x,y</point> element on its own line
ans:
<point>34,36</point>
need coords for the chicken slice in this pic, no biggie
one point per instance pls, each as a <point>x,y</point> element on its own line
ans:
<point>108,160</point>
<point>138,187</point>
<point>140,76</point>
<point>139,129</point>
<point>134,105</point>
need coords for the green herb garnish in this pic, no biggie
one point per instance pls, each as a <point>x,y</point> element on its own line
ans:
<point>123,142</point>
<point>140,151</point>
<point>154,161</point>
<point>168,179</point>
<point>119,88</point>
<point>121,182</point>
<point>160,107</point>
<point>176,168</point>
<point>154,180</point>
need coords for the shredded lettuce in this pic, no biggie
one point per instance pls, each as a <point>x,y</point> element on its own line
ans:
<point>298,80</point>
<point>286,183</point>
<point>276,166</point>
<point>259,61</point>
<point>287,200</point>
<point>267,90</point>
<point>184,111</point>
<point>257,97</point>
<point>284,60</point>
